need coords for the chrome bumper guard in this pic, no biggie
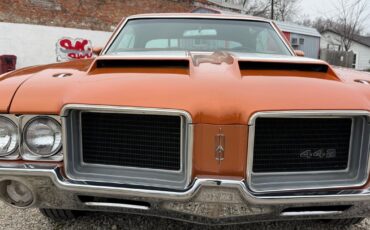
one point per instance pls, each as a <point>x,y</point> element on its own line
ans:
<point>216,201</point>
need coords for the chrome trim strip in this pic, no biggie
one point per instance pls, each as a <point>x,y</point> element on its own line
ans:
<point>365,82</point>
<point>195,16</point>
<point>14,170</point>
<point>128,109</point>
<point>307,114</point>
<point>186,141</point>
<point>116,205</point>
<point>311,213</point>
<point>302,114</point>
<point>287,45</point>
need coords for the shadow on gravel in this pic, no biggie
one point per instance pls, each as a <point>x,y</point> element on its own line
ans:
<point>128,221</point>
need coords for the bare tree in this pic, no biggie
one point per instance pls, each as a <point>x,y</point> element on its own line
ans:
<point>350,19</point>
<point>306,21</point>
<point>251,7</point>
<point>285,10</point>
<point>256,8</point>
<point>324,24</point>
<point>281,10</point>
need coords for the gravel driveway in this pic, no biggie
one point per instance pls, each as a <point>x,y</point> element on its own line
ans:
<point>11,218</point>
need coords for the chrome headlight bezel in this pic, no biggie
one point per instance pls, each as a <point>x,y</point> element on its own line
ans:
<point>26,152</point>
<point>15,154</point>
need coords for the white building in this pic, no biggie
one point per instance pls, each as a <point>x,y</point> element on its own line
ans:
<point>36,45</point>
<point>360,47</point>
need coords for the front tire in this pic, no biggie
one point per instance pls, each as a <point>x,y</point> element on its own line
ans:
<point>59,214</point>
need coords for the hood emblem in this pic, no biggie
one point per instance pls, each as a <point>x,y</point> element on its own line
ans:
<point>220,146</point>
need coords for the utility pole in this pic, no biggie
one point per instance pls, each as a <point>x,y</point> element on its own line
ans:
<point>272,9</point>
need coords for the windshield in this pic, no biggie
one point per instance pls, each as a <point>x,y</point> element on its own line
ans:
<point>198,35</point>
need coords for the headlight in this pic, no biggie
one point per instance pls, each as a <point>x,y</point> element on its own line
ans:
<point>8,136</point>
<point>43,136</point>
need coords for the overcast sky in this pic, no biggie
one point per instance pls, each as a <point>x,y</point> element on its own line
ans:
<point>316,8</point>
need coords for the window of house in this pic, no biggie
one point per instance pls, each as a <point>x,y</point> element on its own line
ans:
<point>354,61</point>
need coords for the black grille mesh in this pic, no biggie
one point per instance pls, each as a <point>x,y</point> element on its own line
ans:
<point>146,141</point>
<point>301,144</point>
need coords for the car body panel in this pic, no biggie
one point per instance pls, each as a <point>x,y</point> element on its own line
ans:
<point>207,84</point>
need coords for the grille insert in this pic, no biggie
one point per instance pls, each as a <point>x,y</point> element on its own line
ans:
<point>132,140</point>
<point>301,144</point>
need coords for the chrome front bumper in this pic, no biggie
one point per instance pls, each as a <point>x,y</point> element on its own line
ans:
<point>212,201</point>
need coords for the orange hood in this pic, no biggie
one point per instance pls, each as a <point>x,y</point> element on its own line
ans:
<point>214,89</point>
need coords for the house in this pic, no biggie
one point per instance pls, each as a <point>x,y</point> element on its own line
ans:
<point>331,40</point>
<point>302,38</point>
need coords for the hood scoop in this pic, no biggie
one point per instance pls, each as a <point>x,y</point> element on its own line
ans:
<point>308,67</point>
<point>176,66</point>
<point>290,69</point>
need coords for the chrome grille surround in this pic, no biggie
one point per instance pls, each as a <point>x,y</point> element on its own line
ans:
<point>358,166</point>
<point>76,169</point>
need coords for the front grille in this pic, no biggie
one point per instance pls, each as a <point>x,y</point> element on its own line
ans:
<point>131,140</point>
<point>301,144</point>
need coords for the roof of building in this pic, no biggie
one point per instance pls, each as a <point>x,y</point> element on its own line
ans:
<point>297,29</point>
<point>364,40</point>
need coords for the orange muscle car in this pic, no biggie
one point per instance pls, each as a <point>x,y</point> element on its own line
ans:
<point>204,118</point>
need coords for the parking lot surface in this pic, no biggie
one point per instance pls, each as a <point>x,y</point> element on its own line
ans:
<point>11,218</point>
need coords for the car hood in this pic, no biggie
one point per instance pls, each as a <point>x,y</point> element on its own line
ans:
<point>220,88</point>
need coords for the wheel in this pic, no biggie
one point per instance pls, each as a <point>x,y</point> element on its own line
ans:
<point>343,222</point>
<point>59,214</point>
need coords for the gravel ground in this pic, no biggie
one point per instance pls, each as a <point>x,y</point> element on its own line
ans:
<point>11,218</point>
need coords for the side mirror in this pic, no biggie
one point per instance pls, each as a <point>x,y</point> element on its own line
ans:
<point>299,53</point>
<point>97,50</point>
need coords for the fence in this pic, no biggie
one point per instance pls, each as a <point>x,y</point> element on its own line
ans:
<point>338,58</point>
